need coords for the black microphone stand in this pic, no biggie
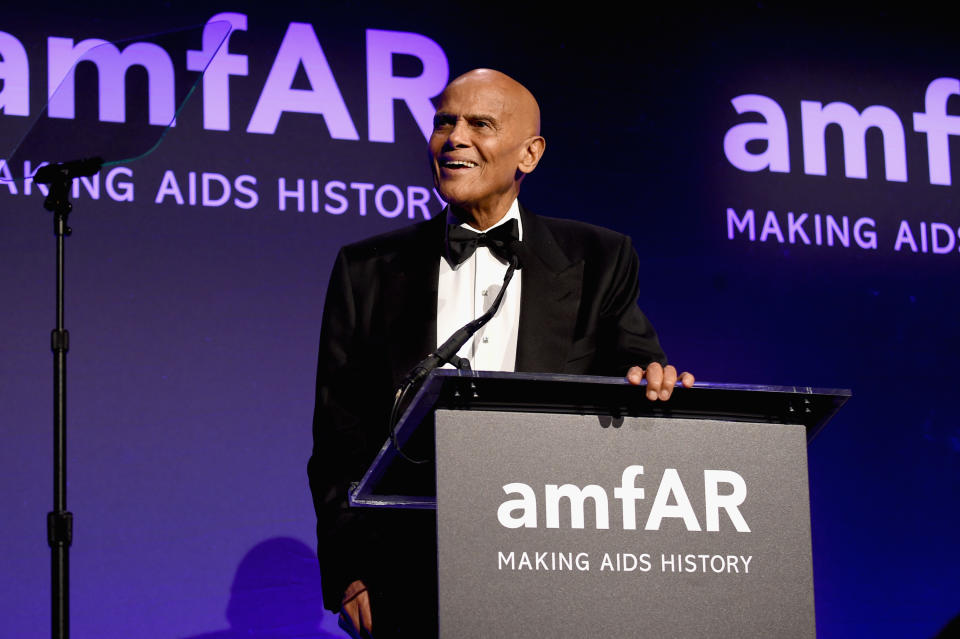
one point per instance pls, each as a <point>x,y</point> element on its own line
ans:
<point>59,177</point>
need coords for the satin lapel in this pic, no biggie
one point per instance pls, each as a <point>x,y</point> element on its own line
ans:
<point>410,281</point>
<point>549,302</point>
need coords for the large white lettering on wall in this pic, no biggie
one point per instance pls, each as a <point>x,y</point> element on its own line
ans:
<point>112,65</point>
<point>299,49</point>
<point>14,76</point>
<point>816,117</point>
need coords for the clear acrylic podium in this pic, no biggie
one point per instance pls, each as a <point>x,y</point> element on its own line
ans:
<point>571,506</point>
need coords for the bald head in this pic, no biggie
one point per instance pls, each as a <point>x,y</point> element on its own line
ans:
<point>486,138</point>
<point>517,98</point>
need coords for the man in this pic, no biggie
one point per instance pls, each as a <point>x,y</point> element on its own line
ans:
<point>393,298</point>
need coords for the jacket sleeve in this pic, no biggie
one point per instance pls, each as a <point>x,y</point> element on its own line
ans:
<point>629,337</point>
<point>339,441</point>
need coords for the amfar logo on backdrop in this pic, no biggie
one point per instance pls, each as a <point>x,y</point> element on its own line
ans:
<point>814,120</point>
<point>299,52</point>
<point>522,512</point>
<point>300,48</point>
<point>825,229</point>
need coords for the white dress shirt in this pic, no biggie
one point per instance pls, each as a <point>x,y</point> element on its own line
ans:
<point>467,292</point>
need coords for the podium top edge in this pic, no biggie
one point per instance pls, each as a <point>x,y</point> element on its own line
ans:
<point>452,389</point>
<point>621,381</point>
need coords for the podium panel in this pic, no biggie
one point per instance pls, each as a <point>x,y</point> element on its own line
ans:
<point>560,525</point>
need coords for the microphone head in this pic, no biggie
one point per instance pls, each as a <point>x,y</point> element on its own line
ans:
<point>66,171</point>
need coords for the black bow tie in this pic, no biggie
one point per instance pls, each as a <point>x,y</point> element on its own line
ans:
<point>462,242</point>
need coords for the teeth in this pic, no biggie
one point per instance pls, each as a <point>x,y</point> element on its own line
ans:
<point>456,164</point>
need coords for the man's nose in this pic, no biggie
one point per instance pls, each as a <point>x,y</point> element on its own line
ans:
<point>458,135</point>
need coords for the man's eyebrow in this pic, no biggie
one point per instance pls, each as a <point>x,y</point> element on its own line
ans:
<point>481,116</point>
<point>471,117</point>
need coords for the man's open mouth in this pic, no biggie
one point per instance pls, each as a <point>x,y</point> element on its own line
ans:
<point>458,164</point>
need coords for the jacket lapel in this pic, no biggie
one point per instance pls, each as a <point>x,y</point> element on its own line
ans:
<point>549,302</point>
<point>411,281</point>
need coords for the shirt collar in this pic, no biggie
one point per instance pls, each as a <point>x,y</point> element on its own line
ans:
<point>513,213</point>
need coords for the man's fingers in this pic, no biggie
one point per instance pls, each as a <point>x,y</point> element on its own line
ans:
<point>654,380</point>
<point>669,380</point>
<point>366,618</point>
<point>356,608</point>
<point>351,614</point>
<point>660,380</point>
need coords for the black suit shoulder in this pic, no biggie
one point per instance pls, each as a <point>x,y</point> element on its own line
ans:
<point>569,229</point>
<point>399,242</point>
<point>583,241</point>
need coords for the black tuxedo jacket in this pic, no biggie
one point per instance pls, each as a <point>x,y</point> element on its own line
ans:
<point>578,314</point>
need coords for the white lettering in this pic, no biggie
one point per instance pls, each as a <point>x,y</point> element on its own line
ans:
<point>244,185</point>
<point>417,198</point>
<point>6,179</point>
<point>28,172</point>
<point>905,236</point>
<point>814,120</point>
<point>773,131</point>
<point>206,198</point>
<point>14,76</point>
<point>714,501</point>
<point>629,493</point>
<point>522,511</point>
<point>362,187</point>
<point>670,484</point>
<point>733,221</point>
<point>398,197</point>
<point>333,190</point>
<point>576,496</point>
<point>284,193</point>
<point>939,127</point>
<point>218,64</point>
<point>795,228</point>
<point>527,504</point>
<point>383,87</point>
<point>866,239</point>
<point>125,192</point>
<point>112,66</point>
<point>936,228</point>
<point>836,231</point>
<point>90,184</point>
<point>301,47</point>
<point>770,226</point>
<point>169,186</point>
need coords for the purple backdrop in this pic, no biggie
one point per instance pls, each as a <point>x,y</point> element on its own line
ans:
<point>196,276</point>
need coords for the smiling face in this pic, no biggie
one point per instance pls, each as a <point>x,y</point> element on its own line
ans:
<point>486,137</point>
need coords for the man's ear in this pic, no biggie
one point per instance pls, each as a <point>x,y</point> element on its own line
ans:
<point>531,153</point>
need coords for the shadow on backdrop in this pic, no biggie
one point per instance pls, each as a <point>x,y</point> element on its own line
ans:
<point>951,630</point>
<point>276,595</point>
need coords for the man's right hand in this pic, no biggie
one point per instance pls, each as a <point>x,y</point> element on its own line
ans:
<point>355,608</point>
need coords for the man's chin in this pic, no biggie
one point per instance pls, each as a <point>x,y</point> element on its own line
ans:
<point>454,197</point>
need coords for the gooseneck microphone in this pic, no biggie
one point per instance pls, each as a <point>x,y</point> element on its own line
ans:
<point>447,352</point>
